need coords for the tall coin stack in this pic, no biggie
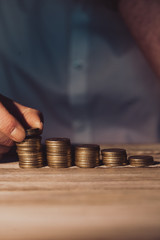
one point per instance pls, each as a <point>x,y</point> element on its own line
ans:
<point>140,160</point>
<point>58,152</point>
<point>114,157</point>
<point>29,150</point>
<point>87,155</point>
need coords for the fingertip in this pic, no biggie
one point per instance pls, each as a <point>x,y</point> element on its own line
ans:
<point>33,118</point>
<point>38,124</point>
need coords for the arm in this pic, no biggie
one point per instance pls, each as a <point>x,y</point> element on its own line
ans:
<point>143,20</point>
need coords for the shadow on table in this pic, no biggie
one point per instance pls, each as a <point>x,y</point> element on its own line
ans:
<point>156,163</point>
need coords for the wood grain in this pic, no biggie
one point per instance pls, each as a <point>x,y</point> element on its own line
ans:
<point>100,203</point>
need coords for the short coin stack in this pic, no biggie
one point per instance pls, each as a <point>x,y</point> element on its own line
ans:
<point>113,157</point>
<point>58,152</point>
<point>87,155</point>
<point>29,150</point>
<point>140,160</point>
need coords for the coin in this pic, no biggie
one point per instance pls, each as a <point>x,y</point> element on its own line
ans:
<point>86,155</point>
<point>58,152</point>
<point>33,132</point>
<point>30,150</point>
<point>114,157</point>
<point>141,160</point>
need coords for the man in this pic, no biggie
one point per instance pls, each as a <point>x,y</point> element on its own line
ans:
<point>78,64</point>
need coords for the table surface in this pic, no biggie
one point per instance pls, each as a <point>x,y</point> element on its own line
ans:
<point>74,203</point>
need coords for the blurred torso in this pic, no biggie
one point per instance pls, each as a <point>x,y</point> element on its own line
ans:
<point>77,63</point>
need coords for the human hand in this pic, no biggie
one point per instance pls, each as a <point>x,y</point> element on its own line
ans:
<point>14,118</point>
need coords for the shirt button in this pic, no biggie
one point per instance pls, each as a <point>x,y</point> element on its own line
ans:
<point>78,65</point>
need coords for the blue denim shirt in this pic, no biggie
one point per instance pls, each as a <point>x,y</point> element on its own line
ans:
<point>77,63</point>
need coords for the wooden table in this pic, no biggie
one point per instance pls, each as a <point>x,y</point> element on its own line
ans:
<point>101,203</point>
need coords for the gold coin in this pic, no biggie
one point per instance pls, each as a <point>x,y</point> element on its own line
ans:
<point>32,132</point>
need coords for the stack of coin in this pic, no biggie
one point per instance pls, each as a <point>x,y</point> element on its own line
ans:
<point>58,152</point>
<point>29,150</point>
<point>141,160</point>
<point>114,157</point>
<point>87,155</point>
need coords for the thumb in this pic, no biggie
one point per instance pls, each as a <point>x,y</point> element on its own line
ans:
<point>9,126</point>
